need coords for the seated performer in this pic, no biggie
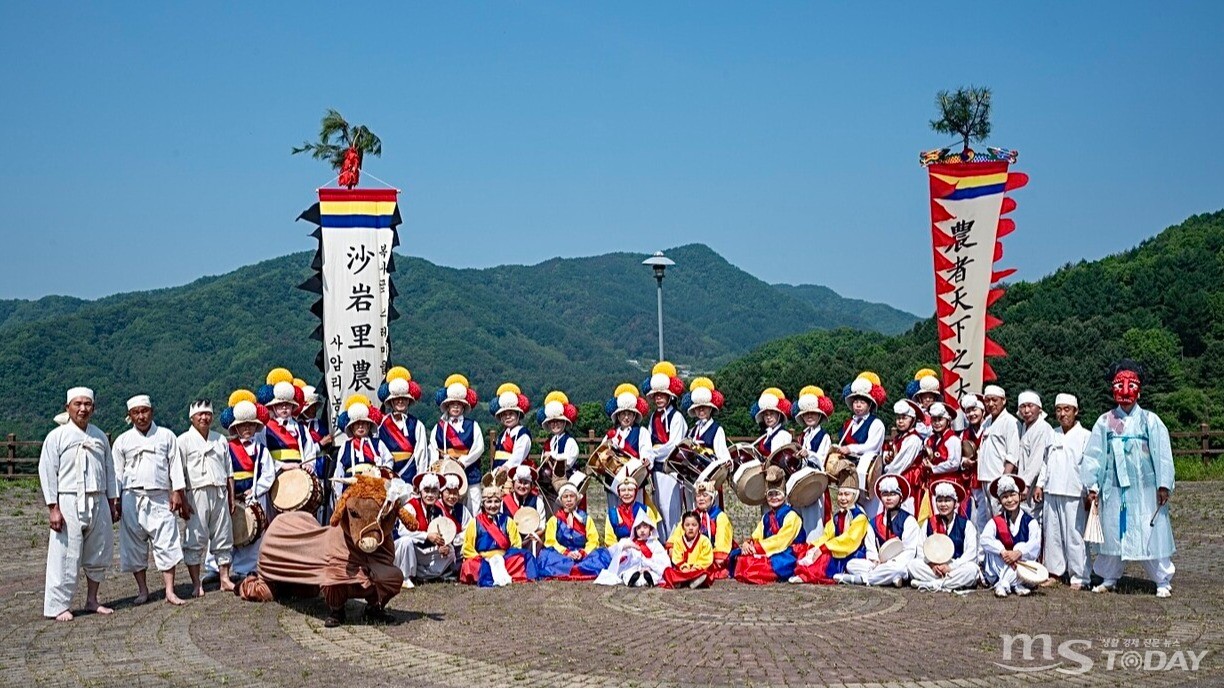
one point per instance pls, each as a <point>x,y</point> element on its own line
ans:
<point>1008,538</point>
<point>492,549</point>
<point>812,409</point>
<point>769,556</point>
<point>571,542</point>
<point>514,441</point>
<point>692,555</point>
<point>625,510</point>
<point>637,561</point>
<point>842,552</point>
<point>402,433</point>
<point>906,450</point>
<point>457,437</point>
<point>523,493</point>
<point>715,525</point>
<point>420,554</point>
<point>893,522</point>
<point>961,572</point>
<point>360,447</point>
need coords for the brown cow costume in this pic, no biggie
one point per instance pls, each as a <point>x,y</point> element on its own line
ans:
<point>351,558</point>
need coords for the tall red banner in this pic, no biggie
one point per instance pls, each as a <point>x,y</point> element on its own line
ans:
<point>968,204</point>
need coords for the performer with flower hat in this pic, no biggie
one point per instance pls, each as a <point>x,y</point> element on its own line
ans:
<point>457,437</point>
<point>770,555</point>
<point>557,416</point>
<point>309,414</point>
<point>254,469</point>
<point>289,442</point>
<point>360,447</point>
<point>924,390</point>
<point>702,401</point>
<point>402,433</point>
<point>626,409</point>
<point>771,411</point>
<point>906,450</point>
<point>667,428</point>
<point>812,409</point>
<point>862,436</point>
<point>514,443</point>
<point>571,542</point>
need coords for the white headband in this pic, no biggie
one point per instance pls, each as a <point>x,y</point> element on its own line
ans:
<point>567,488</point>
<point>1063,399</point>
<point>74,393</point>
<point>1029,397</point>
<point>139,401</point>
<point>196,408</point>
<point>994,391</point>
<point>902,408</point>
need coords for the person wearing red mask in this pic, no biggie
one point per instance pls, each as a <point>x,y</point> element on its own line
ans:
<point>1128,470</point>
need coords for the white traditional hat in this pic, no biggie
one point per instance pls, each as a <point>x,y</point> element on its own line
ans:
<point>663,380</point>
<point>944,489</point>
<point>554,408</point>
<point>357,412</point>
<point>971,401</point>
<point>1007,483</point>
<point>939,409</point>
<point>283,392</point>
<point>772,399</point>
<point>199,406</point>
<point>524,472</point>
<point>456,389</point>
<point>509,398</point>
<point>76,392</point>
<point>907,407</point>
<point>453,482</point>
<point>1066,400</point>
<point>427,480</point>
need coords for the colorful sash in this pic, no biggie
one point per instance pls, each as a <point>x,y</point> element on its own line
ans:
<point>287,447</point>
<point>494,531</point>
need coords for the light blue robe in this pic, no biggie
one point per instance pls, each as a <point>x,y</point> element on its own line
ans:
<point>1127,458</point>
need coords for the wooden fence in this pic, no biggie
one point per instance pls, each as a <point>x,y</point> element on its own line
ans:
<point>21,456</point>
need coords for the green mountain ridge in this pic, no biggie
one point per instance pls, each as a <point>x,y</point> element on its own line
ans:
<point>571,324</point>
<point>1161,303</point>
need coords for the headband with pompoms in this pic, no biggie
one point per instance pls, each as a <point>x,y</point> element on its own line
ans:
<point>772,399</point>
<point>626,398</point>
<point>358,408</point>
<point>867,386</point>
<point>812,399</point>
<point>557,407</point>
<point>663,379</point>
<point>702,394</point>
<point>456,389</point>
<point>399,385</point>
<point>509,398</point>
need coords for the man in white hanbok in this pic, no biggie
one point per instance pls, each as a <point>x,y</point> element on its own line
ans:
<point>77,476</point>
<point>1128,468</point>
<point>1035,438</point>
<point>204,454</point>
<point>1000,446</point>
<point>152,486</point>
<point>1061,494</point>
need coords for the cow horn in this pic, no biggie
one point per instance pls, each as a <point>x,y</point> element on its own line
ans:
<point>347,480</point>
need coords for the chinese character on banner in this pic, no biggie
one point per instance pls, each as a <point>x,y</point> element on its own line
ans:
<point>968,204</point>
<point>354,263</point>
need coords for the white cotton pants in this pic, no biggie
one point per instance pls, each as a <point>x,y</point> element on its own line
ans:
<point>999,574</point>
<point>668,500</point>
<point>963,576</point>
<point>984,508</point>
<point>1063,531</point>
<point>885,573</point>
<point>210,528</point>
<point>424,563</point>
<point>86,541</point>
<point>1110,567</point>
<point>147,520</point>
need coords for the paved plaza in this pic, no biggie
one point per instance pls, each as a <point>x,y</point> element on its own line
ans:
<point>580,634</point>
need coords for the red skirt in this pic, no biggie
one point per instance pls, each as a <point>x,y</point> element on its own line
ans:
<point>817,572</point>
<point>476,571</point>
<point>675,579</point>
<point>719,569</point>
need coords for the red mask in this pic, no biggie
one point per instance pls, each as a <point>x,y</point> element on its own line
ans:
<point>1126,388</point>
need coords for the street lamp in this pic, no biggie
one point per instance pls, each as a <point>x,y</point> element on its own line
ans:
<point>659,263</point>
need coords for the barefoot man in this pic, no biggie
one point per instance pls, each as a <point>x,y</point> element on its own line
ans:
<point>78,482</point>
<point>152,484</point>
<point>210,495</point>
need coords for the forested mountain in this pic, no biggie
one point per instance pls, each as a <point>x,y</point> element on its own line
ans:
<point>574,324</point>
<point>1161,303</point>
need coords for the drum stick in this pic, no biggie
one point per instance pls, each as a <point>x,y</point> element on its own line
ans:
<point>1152,523</point>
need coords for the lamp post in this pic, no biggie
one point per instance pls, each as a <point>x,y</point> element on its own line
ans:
<point>659,263</point>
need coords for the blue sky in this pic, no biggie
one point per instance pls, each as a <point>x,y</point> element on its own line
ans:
<point>150,145</point>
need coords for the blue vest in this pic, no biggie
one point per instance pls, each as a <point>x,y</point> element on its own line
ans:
<point>484,541</point>
<point>956,533</point>
<point>782,512</point>
<point>707,438</point>
<point>623,530</point>
<point>668,413</point>
<point>349,457</point>
<point>896,526</point>
<point>817,439</point>
<point>860,436</point>
<point>467,437</point>
<point>569,538</point>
